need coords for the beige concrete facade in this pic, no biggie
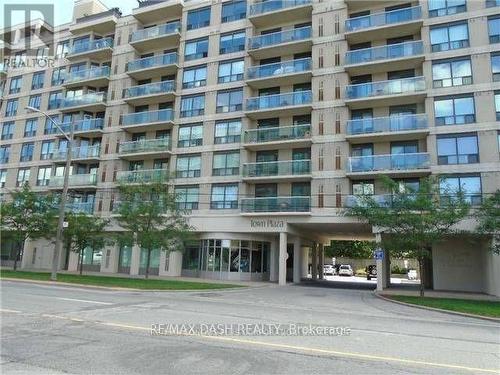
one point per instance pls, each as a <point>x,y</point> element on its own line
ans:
<point>316,155</point>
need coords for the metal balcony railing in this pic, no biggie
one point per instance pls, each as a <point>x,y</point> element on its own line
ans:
<point>91,45</point>
<point>277,168</point>
<point>390,51</point>
<point>86,99</point>
<point>280,133</point>
<point>390,162</point>
<point>143,176</point>
<point>387,124</point>
<point>383,18</point>
<point>280,37</point>
<point>145,145</point>
<point>275,204</point>
<point>389,87</point>
<point>279,100</point>
<point>263,7</point>
<point>163,115</point>
<point>154,32</point>
<point>153,61</point>
<point>75,180</point>
<point>149,89</point>
<point>82,152</point>
<point>88,74</point>
<point>279,69</point>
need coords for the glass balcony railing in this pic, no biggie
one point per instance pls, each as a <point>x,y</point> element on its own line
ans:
<point>145,145</point>
<point>87,124</point>
<point>382,88</point>
<point>390,51</point>
<point>143,176</point>
<point>280,133</point>
<point>277,168</point>
<point>82,152</point>
<point>383,18</point>
<point>279,69</point>
<point>155,32</point>
<point>276,204</point>
<point>149,89</point>
<point>163,115</point>
<point>86,99</point>
<point>273,39</point>
<point>383,200</point>
<point>80,207</point>
<point>279,100</point>
<point>88,74</point>
<point>387,124</point>
<point>388,162</point>
<point>75,180</point>
<point>91,45</point>
<point>153,62</point>
<point>263,7</point>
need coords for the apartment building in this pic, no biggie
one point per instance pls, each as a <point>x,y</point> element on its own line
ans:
<point>271,116</point>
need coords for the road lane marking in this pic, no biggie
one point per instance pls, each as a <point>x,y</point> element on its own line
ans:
<point>83,300</point>
<point>361,356</point>
<point>10,311</point>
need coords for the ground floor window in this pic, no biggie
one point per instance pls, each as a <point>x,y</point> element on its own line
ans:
<point>191,257</point>
<point>154,261</point>
<point>92,257</point>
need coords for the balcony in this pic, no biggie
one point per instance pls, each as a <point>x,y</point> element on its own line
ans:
<point>157,37</point>
<point>90,127</point>
<point>98,49</point>
<point>138,150</point>
<point>386,93</point>
<point>415,164</point>
<point>276,205</point>
<point>391,128</point>
<point>3,70</point>
<point>287,104</point>
<point>286,170</point>
<point>100,23</point>
<point>153,11</point>
<point>153,92</point>
<point>265,13</point>
<point>391,57</point>
<point>76,180</point>
<point>80,207</point>
<point>143,176</point>
<point>278,137</point>
<point>383,200</point>
<point>286,42</point>
<point>95,77</point>
<point>93,102</point>
<point>280,74</point>
<point>82,153</point>
<point>151,120</point>
<point>384,25</point>
<point>162,65</point>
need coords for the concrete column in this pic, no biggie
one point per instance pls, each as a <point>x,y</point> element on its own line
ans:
<point>27,256</point>
<point>314,261</point>
<point>135,260</point>
<point>297,260</point>
<point>381,266</point>
<point>321,261</point>
<point>273,264</point>
<point>282,259</point>
<point>304,267</point>
<point>109,262</point>
<point>73,261</point>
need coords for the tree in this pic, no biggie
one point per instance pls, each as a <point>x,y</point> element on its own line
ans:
<point>149,215</point>
<point>84,231</point>
<point>488,216</point>
<point>28,215</point>
<point>350,249</point>
<point>413,220</point>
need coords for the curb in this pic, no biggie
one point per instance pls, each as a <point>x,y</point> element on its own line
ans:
<point>491,319</point>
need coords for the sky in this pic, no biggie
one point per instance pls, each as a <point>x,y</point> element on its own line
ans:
<point>63,9</point>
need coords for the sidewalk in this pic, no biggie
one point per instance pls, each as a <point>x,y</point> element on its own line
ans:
<point>439,294</point>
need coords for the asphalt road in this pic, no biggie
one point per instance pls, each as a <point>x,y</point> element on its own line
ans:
<point>56,329</point>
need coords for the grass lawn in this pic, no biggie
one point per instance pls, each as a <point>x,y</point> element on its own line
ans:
<point>484,308</point>
<point>122,282</point>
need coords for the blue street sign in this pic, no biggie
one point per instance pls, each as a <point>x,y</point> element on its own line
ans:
<point>378,255</point>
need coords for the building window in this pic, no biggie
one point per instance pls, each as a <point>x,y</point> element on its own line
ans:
<point>62,49</point>
<point>4,154</point>
<point>188,166</point>
<point>233,10</point>
<point>452,73</point>
<point>35,101</point>
<point>27,152</point>
<point>444,38</point>
<point>192,105</point>
<point>224,197</point>
<point>11,109</point>
<point>198,18</point>
<point>187,197</point>
<point>15,84</point>
<point>47,150</point>
<point>227,131</point>
<point>232,42</point>
<point>457,149</point>
<point>231,71</point>
<point>497,104</point>
<point>55,100</point>
<point>37,80</point>
<point>7,130</point>
<point>196,49</point>
<point>454,111</point>
<point>194,77</point>
<point>494,29</point>
<point>50,128</point>
<point>495,67</point>
<point>190,135</point>
<point>30,127</point>
<point>469,186</point>
<point>229,101</point>
<point>226,164</point>
<point>439,8</point>
<point>58,76</point>
<point>492,3</point>
<point>3,177</point>
<point>23,176</point>
<point>43,177</point>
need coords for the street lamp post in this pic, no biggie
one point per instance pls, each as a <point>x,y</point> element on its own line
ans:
<point>64,196</point>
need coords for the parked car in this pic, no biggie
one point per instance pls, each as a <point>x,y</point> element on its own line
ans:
<point>345,270</point>
<point>412,275</point>
<point>371,272</point>
<point>328,269</point>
